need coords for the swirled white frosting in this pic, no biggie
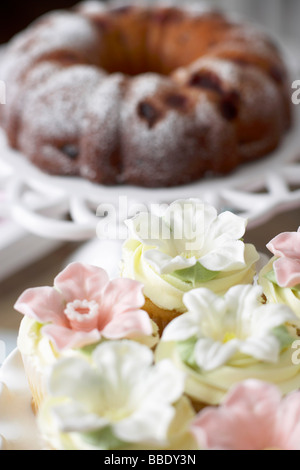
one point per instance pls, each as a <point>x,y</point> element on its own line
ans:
<point>32,343</point>
<point>276,294</point>
<point>166,291</point>
<point>211,387</point>
<point>222,340</point>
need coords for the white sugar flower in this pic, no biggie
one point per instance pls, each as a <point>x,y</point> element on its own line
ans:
<point>119,394</point>
<point>219,327</point>
<point>191,232</point>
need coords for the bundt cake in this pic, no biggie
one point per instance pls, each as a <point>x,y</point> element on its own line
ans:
<point>150,96</point>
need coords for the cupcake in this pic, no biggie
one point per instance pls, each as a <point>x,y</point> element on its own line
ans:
<point>280,277</point>
<point>116,399</point>
<point>188,246</point>
<point>83,309</point>
<point>253,416</point>
<point>223,340</point>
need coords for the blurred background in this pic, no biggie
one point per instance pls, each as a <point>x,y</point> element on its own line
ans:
<point>280,16</point>
<point>26,260</point>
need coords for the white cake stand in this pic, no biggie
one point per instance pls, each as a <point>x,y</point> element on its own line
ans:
<point>72,209</point>
<point>256,190</point>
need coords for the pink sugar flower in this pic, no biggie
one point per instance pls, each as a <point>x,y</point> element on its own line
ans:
<point>286,247</point>
<point>84,306</point>
<point>254,416</point>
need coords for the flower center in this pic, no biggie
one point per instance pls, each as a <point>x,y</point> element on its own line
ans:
<point>190,254</point>
<point>228,336</point>
<point>82,314</point>
<point>117,414</point>
<point>116,404</point>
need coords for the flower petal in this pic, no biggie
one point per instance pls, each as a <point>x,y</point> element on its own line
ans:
<point>231,224</point>
<point>204,303</point>
<point>122,362</point>
<point>242,301</point>
<point>164,383</point>
<point>146,424</point>
<point>118,386</point>
<point>191,231</point>
<point>150,230</point>
<point>287,271</point>
<point>74,378</point>
<point>265,348</point>
<point>269,316</point>
<point>261,397</point>
<point>73,417</point>
<point>238,315</point>
<point>43,304</point>
<point>244,297</point>
<point>188,220</point>
<point>165,264</point>
<point>210,354</point>
<point>286,244</point>
<point>183,327</point>
<point>128,325</point>
<point>65,338</point>
<point>287,428</point>
<point>81,282</point>
<point>225,256</point>
<point>121,295</point>
<point>244,421</point>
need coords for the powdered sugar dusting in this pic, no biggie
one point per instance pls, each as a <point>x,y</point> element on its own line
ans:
<point>143,87</point>
<point>249,82</point>
<point>91,7</point>
<point>249,39</point>
<point>103,114</point>
<point>56,108</point>
<point>58,31</point>
<point>224,69</point>
<point>175,129</point>
<point>106,95</point>
<point>148,119</point>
